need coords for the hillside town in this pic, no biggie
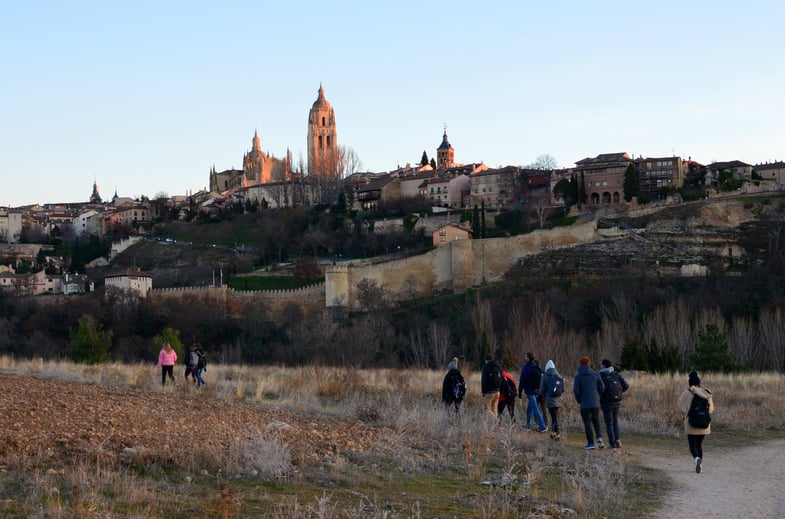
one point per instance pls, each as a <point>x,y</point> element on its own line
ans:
<point>435,185</point>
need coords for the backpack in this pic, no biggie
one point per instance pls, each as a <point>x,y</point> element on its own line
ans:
<point>698,416</point>
<point>459,390</point>
<point>534,378</point>
<point>495,377</point>
<point>613,389</point>
<point>193,359</point>
<point>557,386</point>
<point>508,389</point>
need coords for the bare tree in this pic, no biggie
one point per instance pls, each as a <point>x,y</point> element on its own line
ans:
<point>771,334</point>
<point>545,162</point>
<point>440,340</point>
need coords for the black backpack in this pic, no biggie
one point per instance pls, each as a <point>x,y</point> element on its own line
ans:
<point>495,377</point>
<point>613,389</point>
<point>698,416</point>
<point>508,389</point>
<point>535,378</point>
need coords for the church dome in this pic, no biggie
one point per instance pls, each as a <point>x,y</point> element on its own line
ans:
<point>321,102</point>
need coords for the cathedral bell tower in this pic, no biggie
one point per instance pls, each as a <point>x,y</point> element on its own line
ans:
<point>322,139</point>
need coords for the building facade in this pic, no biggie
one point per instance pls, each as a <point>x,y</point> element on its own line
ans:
<point>603,177</point>
<point>658,173</point>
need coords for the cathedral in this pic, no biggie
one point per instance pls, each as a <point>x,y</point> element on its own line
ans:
<point>261,168</point>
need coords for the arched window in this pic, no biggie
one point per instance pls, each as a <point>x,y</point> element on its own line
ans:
<point>321,145</point>
<point>323,121</point>
<point>329,142</point>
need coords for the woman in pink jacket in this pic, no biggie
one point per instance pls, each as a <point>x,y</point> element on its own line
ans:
<point>166,361</point>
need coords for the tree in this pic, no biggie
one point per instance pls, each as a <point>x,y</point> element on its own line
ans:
<point>544,162</point>
<point>172,336</point>
<point>632,183</point>
<point>476,222</point>
<point>424,159</point>
<point>89,342</point>
<point>433,163</point>
<point>712,354</point>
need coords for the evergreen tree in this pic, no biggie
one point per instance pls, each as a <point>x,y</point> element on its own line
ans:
<point>433,163</point>
<point>582,191</point>
<point>77,258</point>
<point>424,159</point>
<point>632,183</point>
<point>89,342</point>
<point>476,222</point>
<point>483,229</point>
<point>712,354</point>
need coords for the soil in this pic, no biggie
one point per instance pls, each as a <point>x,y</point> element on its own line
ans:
<point>734,482</point>
<point>57,422</point>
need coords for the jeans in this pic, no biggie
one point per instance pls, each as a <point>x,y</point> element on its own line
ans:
<point>533,409</point>
<point>198,375</point>
<point>611,416</point>
<point>591,417</point>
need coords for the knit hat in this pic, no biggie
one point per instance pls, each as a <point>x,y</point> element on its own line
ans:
<point>694,379</point>
<point>549,365</point>
<point>606,363</point>
<point>585,361</point>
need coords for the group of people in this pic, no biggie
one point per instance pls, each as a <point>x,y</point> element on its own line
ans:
<point>195,364</point>
<point>593,391</point>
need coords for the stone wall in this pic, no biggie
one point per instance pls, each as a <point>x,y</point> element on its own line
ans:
<point>453,268</point>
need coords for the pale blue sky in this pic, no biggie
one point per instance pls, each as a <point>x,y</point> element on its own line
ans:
<point>146,97</point>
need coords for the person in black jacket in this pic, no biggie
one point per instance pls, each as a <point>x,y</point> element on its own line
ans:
<point>453,387</point>
<point>610,401</point>
<point>531,375</point>
<point>491,383</point>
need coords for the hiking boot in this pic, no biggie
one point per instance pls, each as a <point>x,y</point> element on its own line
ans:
<point>589,447</point>
<point>553,437</point>
<point>558,437</point>
<point>618,444</point>
<point>698,467</point>
<point>545,429</point>
<point>599,441</point>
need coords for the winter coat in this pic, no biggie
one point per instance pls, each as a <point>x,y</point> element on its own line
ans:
<point>587,388</point>
<point>529,375</point>
<point>547,382</point>
<point>167,358</point>
<point>685,400</point>
<point>451,379</point>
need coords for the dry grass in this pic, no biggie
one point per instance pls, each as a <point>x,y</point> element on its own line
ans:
<point>434,463</point>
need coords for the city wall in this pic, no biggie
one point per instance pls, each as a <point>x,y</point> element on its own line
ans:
<point>310,298</point>
<point>452,268</point>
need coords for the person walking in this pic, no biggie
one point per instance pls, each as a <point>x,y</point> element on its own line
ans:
<point>531,377</point>
<point>610,401</point>
<point>201,365</point>
<point>167,358</point>
<point>453,386</point>
<point>191,360</point>
<point>552,390</point>
<point>491,384</point>
<point>587,388</point>
<point>507,396</point>
<point>697,404</point>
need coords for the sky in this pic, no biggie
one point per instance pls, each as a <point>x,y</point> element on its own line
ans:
<point>146,97</point>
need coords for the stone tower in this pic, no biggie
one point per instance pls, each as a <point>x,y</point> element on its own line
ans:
<point>322,139</point>
<point>445,153</point>
<point>95,198</point>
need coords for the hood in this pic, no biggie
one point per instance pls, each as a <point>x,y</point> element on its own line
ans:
<point>549,365</point>
<point>607,370</point>
<point>701,392</point>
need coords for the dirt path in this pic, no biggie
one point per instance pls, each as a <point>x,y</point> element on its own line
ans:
<point>744,482</point>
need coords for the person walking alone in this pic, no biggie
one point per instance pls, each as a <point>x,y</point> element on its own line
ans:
<point>453,386</point>
<point>610,401</point>
<point>531,377</point>
<point>587,388</point>
<point>167,358</point>
<point>697,404</point>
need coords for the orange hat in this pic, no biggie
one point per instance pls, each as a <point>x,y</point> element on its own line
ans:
<point>585,361</point>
